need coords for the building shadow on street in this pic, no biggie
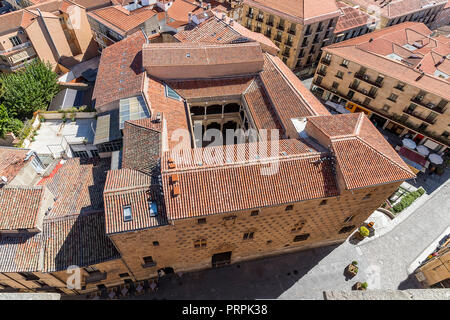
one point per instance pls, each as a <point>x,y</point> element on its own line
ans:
<point>409,283</point>
<point>265,278</point>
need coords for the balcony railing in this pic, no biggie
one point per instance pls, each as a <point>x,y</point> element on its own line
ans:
<point>277,38</point>
<point>260,19</point>
<point>322,72</point>
<point>325,61</point>
<point>393,117</point>
<point>249,15</point>
<point>419,116</point>
<point>18,47</point>
<point>362,91</point>
<point>366,78</point>
<point>269,23</point>
<point>428,105</point>
<point>268,34</point>
<point>288,43</point>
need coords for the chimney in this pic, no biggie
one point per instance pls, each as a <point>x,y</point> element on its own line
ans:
<point>174,178</point>
<point>171,163</point>
<point>158,117</point>
<point>176,190</point>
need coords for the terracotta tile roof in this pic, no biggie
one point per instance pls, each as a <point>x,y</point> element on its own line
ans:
<point>77,240</point>
<point>372,50</point>
<point>363,156</point>
<point>288,95</point>
<point>217,30</point>
<point>397,8</point>
<point>300,11</point>
<point>120,73</point>
<point>73,231</point>
<point>195,89</point>
<point>127,187</point>
<point>351,18</point>
<point>261,108</point>
<point>141,139</point>
<point>194,60</point>
<point>172,110</point>
<point>19,207</point>
<point>12,161</point>
<point>78,187</point>
<point>180,9</point>
<point>121,19</point>
<point>241,185</point>
<point>20,252</point>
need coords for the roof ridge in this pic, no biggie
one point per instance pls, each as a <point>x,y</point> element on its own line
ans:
<point>358,124</point>
<point>293,88</point>
<point>382,154</point>
<point>125,189</point>
<point>249,162</point>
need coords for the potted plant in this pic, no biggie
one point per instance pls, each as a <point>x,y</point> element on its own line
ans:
<point>352,268</point>
<point>363,232</point>
<point>360,286</point>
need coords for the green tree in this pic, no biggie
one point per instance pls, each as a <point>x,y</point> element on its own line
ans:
<point>8,124</point>
<point>29,90</point>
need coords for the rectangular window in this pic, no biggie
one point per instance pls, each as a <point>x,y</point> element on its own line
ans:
<point>15,41</point>
<point>301,237</point>
<point>248,235</point>
<point>201,221</point>
<point>124,275</point>
<point>339,74</point>
<point>289,207</point>
<point>254,213</point>
<point>155,243</point>
<point>400,86</point>
<point>367,196</point>
<point>445,134</point>
<point>335,85</point>
<point>345,63</point>
<point>148,262</point>
<point>348,219</point>
<point>393,97</point>
<point>386,107</point>
<point>200,243</point>
<point>323,202</point>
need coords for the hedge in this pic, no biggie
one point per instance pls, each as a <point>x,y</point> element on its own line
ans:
<point>407,200</point>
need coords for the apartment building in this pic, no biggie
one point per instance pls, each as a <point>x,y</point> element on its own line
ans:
<point>300,28</point>
<point>55,31</point>
<point>398,76</point>
<point>392,12</point>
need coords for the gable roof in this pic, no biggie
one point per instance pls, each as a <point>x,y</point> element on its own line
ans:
<point>12,160</point>
<point>120,73</point>
<point>363,156</point>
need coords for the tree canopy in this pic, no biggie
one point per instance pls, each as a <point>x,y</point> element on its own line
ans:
<point>29,90</point>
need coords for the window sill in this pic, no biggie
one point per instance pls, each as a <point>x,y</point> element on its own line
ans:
<point>148,265</point>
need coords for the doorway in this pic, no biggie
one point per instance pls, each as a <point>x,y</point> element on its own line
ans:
<point>221,259</point>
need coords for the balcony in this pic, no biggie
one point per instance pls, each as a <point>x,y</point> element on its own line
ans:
<point>362,91</point>
<point>269,23</point>
<point>18,47</point>
<point>280,27</point>
<point>428,105</point>
<point>258,29</point>
<point>268,34</point>
<point>249,15</point>
<point>260,19</point>
<point>419,116</point>
<point>288,43</point>
<point>321,72</point>
<point>277,38</point>
<point>325,61</point>
<point>366,78</point>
